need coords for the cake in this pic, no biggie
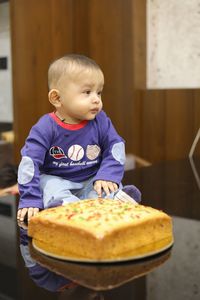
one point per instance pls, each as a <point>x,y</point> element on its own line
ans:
<point>100,229</point>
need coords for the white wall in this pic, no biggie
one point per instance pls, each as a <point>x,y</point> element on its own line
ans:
<point>173,44</point>
<point>6,110</point>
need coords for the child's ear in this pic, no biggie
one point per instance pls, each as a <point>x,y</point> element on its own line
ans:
<point>54,97</point>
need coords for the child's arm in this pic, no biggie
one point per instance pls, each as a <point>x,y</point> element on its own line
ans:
<point>28,213</point>
<point>33,157</point>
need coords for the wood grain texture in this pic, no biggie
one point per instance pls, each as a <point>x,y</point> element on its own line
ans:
<point>39,33</point>
<point>139,43</point>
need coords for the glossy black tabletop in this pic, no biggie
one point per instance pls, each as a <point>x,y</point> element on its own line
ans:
<point>173,274</point>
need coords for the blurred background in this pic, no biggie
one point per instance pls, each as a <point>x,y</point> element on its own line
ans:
<point>148,50</point>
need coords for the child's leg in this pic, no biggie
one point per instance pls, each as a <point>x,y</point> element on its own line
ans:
<point>126,193</point>
<point>57,191</point>
<point>87,192</point>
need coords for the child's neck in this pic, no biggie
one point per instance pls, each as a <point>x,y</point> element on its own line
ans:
<point>62,119</point>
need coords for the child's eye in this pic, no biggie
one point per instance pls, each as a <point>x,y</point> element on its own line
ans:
<point>99,93</point>
<point>87,92</point>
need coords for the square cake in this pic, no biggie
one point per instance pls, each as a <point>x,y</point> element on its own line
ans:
<point>100,229</point>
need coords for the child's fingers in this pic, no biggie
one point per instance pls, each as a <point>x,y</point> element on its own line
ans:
<point>22,224</point>
<point>109,187</point>
<point>105,186</point>
<point>35,211</point>
<point>98,187</point>
<point>18,214</point>
<point>32,211</point>
<point>112,186</point>
<point>21,214</point>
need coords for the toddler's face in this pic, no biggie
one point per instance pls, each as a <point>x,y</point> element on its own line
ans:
<point>80,96</point>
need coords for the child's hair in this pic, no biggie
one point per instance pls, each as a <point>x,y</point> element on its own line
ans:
<point>69,65</point>
<point>8,175</point>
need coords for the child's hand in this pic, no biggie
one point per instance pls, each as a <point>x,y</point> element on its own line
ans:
<point>105,186</point>
<point>29,212</point>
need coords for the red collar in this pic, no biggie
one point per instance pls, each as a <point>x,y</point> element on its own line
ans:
<point>68,126</point>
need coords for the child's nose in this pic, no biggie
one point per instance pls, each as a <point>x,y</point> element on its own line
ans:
<point>96,98</point>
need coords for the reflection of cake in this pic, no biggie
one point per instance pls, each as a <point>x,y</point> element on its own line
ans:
<point>100,229</point>
<point>100,276</point>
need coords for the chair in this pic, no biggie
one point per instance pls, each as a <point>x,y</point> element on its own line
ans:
<point>194,144</point>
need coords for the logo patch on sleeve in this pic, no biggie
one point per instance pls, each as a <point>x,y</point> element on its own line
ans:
<point>26,170</point>
<point>118,152</point>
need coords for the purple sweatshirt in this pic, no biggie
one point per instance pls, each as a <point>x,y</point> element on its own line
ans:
<point>74,152</point>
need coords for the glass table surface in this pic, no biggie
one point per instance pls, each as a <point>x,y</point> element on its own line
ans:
<point>172,274</point>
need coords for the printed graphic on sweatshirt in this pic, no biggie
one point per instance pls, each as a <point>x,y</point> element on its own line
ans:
<point>57,152</point>
<point>92,151</point>
<point>75,152</point>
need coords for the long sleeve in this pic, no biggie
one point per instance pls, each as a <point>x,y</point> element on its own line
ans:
<point>33,156</point>
<point>113,153</point>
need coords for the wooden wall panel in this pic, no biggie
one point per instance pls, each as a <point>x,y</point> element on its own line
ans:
<point>169,120</point>
<point>139,42</point>
<point>153,119</point>
<point>196,118</point>
<point>110,44</point>
<point>40,32</point>
<point>135,122</point>
<point>179,123</point>
<point>61,22</point>
<point>196,109</point>
<point>81,24</point>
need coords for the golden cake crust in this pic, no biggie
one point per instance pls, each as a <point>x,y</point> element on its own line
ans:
<point>100,229</point>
